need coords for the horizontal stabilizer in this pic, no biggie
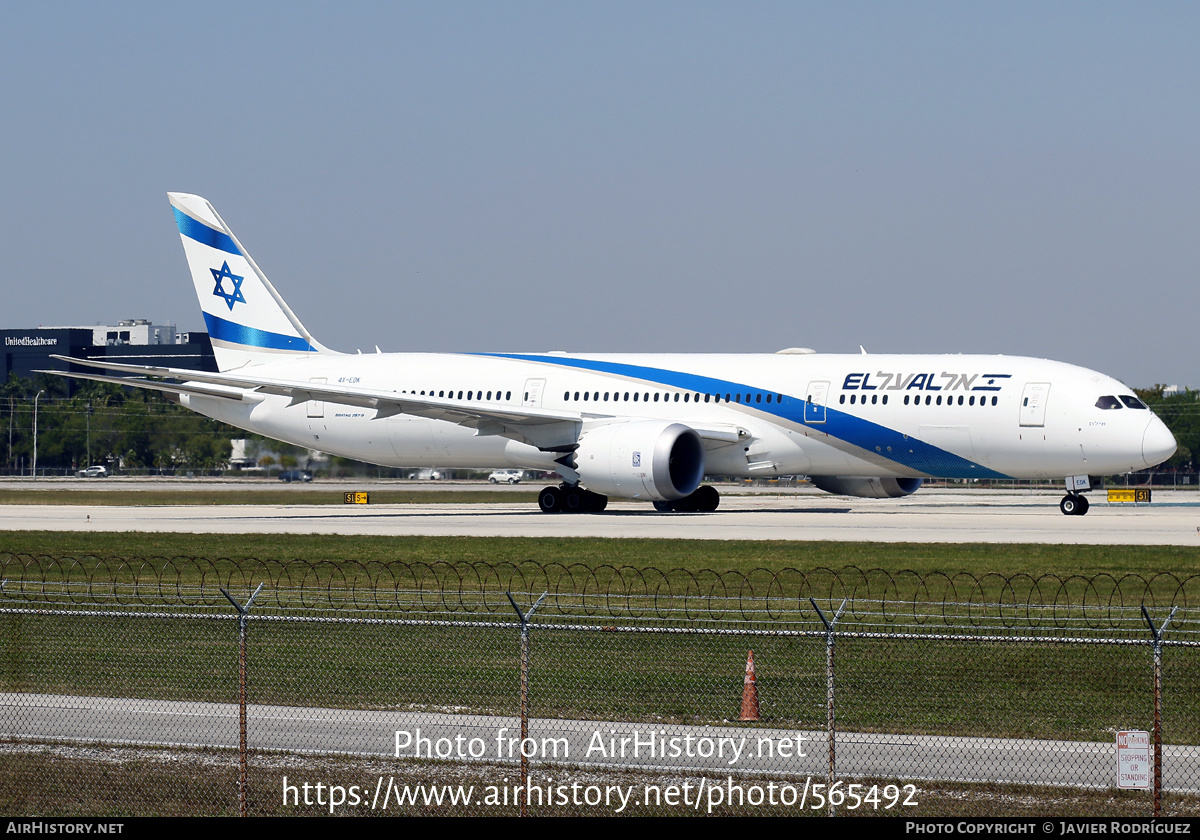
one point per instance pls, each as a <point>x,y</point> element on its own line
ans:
<point>151,385</point>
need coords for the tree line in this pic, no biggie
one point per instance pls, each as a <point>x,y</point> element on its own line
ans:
<point>1181,413</point>
<point>122,428</point>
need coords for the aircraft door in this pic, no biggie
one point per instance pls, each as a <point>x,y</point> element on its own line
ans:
<point>1033,403</point>
<point>533,393</point>
<point>316,408</point>
<point>814,402</point>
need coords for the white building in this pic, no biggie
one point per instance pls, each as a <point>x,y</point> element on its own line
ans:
<point>137,331</point>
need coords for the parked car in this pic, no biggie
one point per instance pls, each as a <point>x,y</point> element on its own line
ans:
<point>295,475</point>
<point>93,472</point>
<point>506,477</point>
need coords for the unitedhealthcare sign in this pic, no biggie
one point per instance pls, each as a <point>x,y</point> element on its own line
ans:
<point>29,341</point>
<point>22,351</point>
<point>28,349</point>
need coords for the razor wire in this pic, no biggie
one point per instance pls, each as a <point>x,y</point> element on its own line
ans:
<point>876,599</point>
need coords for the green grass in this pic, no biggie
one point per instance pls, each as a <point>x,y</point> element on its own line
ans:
<point>726,555</point>
<point>1097,576</point>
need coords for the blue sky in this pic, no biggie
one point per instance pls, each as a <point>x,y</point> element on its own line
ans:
<point>914,177</point>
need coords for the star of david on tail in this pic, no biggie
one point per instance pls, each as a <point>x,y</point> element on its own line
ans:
<point>230,297</point>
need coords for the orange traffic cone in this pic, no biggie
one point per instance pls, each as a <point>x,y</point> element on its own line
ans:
<point>749,692</point>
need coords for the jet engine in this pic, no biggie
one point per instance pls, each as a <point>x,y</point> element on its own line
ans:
<point>869,487</point>
<point>642,459</point>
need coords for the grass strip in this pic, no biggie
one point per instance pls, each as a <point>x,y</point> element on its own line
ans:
<point>744,556</point>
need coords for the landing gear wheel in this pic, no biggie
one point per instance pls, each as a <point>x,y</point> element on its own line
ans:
<point>595,502</point>
<point>702,500</point>
<point>1073,505</point>
<point>573,500</point>
<point>705,499</point>
<point>685,505</point>
<point>550,500</point>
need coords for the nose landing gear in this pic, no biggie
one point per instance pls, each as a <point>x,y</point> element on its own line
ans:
<point>1074,504</point>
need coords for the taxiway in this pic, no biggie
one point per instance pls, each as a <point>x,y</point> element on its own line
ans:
<point>968,516</point>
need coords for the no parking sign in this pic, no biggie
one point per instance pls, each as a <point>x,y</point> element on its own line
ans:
<point>1133,760</point>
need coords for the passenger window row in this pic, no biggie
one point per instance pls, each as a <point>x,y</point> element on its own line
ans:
<point>909,400</point>
<point>657,396</point>
<point>753,397</point>
<point>470,395</point>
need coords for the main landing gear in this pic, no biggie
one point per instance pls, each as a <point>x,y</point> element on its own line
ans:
<point>571,499</point>
<point>574,499</point>
<point>704,500</point>
<point>1074,504</point>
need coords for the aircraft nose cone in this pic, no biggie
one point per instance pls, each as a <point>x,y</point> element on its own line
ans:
<point>1158,444</point>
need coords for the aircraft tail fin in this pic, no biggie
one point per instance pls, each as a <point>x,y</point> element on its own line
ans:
<point>247,320</point>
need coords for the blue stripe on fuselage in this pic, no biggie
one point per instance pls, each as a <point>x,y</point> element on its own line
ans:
<point>893,445</point>
<point>202,233</point>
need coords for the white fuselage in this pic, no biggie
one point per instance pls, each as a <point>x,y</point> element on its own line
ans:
<point>838,415</point>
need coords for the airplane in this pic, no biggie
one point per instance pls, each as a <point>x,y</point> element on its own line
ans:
<point>644,426</point>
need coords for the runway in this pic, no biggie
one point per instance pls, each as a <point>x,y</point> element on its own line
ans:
<point>937,516</point>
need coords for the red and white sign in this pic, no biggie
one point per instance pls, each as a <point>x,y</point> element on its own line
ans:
<point>1133,760</point>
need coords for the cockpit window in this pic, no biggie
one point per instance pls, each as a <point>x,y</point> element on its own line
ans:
<point>1108,403</point>
<point>1133,402</point>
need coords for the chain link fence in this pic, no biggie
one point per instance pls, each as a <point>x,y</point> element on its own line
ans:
<point>121,696</point>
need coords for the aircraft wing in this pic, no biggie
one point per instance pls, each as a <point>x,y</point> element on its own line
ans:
<point>544,428</point>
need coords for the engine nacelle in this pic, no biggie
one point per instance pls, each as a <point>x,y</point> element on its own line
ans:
<point>869,487</point>
<point>643,459</point>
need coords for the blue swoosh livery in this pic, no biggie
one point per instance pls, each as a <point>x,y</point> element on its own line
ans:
<point>905,450</point>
